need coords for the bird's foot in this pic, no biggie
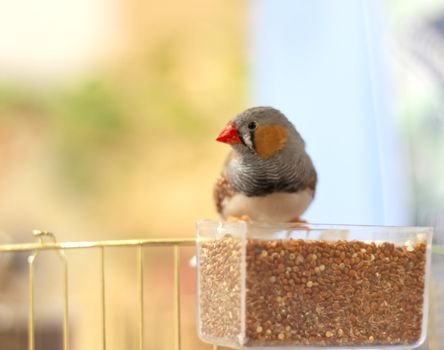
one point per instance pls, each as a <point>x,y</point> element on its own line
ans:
<point>238,218</point>
<point>301,223</point>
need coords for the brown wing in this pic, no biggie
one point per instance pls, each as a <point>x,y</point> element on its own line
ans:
<point>222,190</point>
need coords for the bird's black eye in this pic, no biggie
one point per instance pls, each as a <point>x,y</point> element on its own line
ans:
<point>252,125</point>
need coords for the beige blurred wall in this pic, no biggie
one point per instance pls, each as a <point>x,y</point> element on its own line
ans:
<point>108,114</point>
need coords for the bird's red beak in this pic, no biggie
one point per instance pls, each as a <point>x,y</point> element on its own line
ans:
<point>229,134</point>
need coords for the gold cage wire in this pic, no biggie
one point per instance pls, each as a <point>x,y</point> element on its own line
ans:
<point>47,241</point>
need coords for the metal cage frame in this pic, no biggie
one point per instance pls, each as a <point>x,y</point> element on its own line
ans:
<point>47,241</point>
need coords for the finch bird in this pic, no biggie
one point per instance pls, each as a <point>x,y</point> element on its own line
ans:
<point>268,176</point>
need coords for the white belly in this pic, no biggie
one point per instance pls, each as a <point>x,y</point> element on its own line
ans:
<point>275,207</point>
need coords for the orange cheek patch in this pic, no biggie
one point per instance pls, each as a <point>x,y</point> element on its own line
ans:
<point>268,139</point>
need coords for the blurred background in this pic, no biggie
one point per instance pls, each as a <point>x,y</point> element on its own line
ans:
<point>109,110</point>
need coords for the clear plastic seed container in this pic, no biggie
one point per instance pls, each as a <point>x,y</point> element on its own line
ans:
<point>312,286</point>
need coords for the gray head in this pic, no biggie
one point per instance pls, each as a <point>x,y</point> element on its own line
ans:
<point>269,153</point>
<point>261,132</point>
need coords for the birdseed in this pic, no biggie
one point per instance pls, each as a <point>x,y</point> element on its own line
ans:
<point>220,289</point>
<point>301,292</point>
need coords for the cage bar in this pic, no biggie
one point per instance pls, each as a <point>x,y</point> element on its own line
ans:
<point>154,242</point>
<point>40,235</point>
<point>46,241</point>
<point>65,301</point>
<point>141,303</point>
<point>102,295</point>
<point>177,297</point>
<point>31,260</point>
<point>139,244</point>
